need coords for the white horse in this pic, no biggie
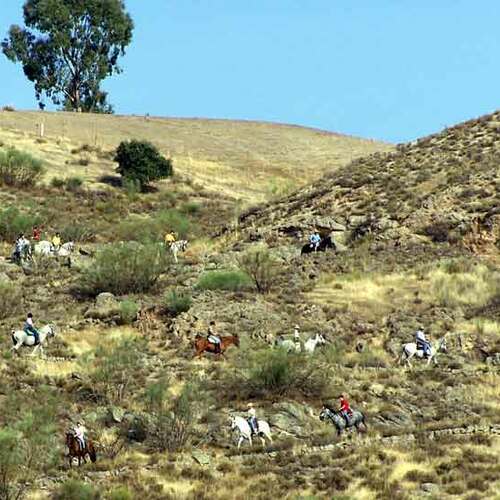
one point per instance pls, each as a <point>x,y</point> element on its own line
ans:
<point>178,246</point>
<point>20,338</point>
<point>288,345</point>
<point>245,431</point>
<point>47,248</point>
<point>311,344</point>
<point>410,350</point>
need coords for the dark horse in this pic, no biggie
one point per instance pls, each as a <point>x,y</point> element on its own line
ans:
<point>201,344</point>
<point>75,449</point>
<point>325,243</point>
<point>355,420</point>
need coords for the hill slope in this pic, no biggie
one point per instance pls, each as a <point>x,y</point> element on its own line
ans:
<point>445,186</point>
<point>248,160</point>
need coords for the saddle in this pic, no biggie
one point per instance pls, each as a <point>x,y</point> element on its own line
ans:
<point>254,432</point>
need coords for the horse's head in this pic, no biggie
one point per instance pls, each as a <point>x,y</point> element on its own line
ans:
<point>236,340</point>
<point>442,346</point>
<point>51,331</point>
<point>325,413</point>
<point>232,422</point>
<point>320,339</point>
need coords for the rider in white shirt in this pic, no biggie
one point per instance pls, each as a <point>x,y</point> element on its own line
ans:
<point>80,431</point>
<point>422,342</point>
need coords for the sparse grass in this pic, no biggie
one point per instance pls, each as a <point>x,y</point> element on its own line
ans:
<point>224,280</point>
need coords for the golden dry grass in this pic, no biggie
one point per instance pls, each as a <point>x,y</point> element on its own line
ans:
<point>247,160</point>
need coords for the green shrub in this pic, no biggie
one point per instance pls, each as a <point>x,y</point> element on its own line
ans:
<point>276,372</point>
<point>224,280</point>
<point>122,493</point>
<point>13,222</point>
<point>10,300</point>
<point>57,182</point>
<point>76,232</point>
<point>153,228</point>
<point>128,312</point>
<point>260,266</point>
<point>76,490</point>
<point>73,183</point>
<point>124,268</point>
<point>190,207</point>
<point>19,169</point>
<point>177,302</point>
<point>142,162</point>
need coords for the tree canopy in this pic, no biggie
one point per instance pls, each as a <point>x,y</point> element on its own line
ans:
<point>69,47</point>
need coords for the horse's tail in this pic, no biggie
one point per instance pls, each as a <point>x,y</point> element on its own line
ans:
<point>92,453</point>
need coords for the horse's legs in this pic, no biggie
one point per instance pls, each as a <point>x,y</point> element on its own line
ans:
<point>16,347</point>
<point>35,349</point>
<point>240,440</point>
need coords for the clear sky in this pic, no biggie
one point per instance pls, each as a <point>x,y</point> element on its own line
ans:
<point>385,69</point>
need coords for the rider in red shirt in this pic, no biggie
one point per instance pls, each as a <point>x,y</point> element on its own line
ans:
<point>37,233</point>
<point>345,409</point>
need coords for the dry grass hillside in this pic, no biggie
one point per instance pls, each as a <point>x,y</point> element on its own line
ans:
<point>417,245</point>
<point>252,161</point>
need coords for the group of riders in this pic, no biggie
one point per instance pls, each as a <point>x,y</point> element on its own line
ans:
<point>23,248</point>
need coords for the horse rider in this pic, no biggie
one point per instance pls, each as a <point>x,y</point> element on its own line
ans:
<point>37,233</point>
<point>79,431</point>
<point>252,419</point>
<point>296,336</point>
<point>169,238</point>
<point>422,342</point>
<point>315,240</point>
<point>20,246</point>
<point>345,408</point>
<point>29,328</point>
<point>214,338</point>
<point>56,242</point>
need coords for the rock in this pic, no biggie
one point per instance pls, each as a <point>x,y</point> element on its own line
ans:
<point>200,457</point>
<point>292,417</point>
<point>4,278</point>
<point>429,487</point>
<point>116,414</point>
<point>106,306</point>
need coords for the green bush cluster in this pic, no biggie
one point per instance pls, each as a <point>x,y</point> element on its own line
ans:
<point>72,184</point>
<point>177,302</point>
<point>128,312</point>
<point>149,229</point>
<point>224,280</point>
<point>10,300</point>
<point>13,222</point>
<point>142,162</point>
<point>76,490</point>
<point>76,232</point>
<point>124,268</point>
<point>259,265</point>
<point>19,169</point>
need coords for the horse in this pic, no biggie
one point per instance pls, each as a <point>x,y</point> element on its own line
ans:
<point>23,254</point>
<point>311,344</point>
<point>46,248</point>
<point>201,344</point>
<point>324,244</point>
<point>178,246</point>
<point>410,350</point>
<point>355,420</point>
<point>20,337</point>
<point>75,449</point>
<point>242,425</point>
<point>288,345</point>
<point>66,249</point>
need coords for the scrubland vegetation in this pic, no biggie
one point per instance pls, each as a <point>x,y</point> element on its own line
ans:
<point>160,418</point>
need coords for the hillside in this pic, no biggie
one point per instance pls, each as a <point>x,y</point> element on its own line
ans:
<point>443,187</point>
<point>417,246</point>
<point>252,161</point>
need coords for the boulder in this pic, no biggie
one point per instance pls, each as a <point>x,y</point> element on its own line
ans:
<point>293,418</point>
<point>200,457</point>
<point>107,306</point>
<point>115,414</point>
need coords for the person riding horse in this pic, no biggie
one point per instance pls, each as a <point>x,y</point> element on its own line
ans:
<point>79,431</point>
<point>213,337</point>
<point>345,408</point>
<point>169,238</point>
<point>315,240</point>
<point>422,342</point>
<point>252,419</point>
<point>29,328</point>
<point>21,248</point>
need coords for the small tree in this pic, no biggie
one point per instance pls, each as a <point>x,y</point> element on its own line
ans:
<point>141,162</point>
<point>260,266</point>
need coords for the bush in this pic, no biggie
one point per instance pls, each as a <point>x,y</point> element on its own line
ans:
<point>74,183</point>
<point>76,490</point>
<point>19,169</point>
<point>276,372</point>
<point>190,207</point>
<point>142,162</point>
<point>76,232</point>
<point>57,182</point>
<point>174,422</point>
<point>149,229</point>
<point>124,268</point>
<point>122,493</point>
<point>259,265</point>
<point>224,280</point>
<point>10,300</point>
<point>128,312</point>
<point>13,222</point>
<point>177,302</point>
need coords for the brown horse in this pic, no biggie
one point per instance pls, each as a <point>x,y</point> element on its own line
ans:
<point>201,344</point>
<point>75,449</point>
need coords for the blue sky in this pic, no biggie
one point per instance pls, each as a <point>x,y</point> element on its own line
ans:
<point>385,69</point>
